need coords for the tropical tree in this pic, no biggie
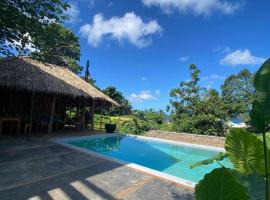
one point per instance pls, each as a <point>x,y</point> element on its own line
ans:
<point>22,20</point>
<point>125,107</point>
<point>195,109</point>
<point>248,152</point>
<point>57,45</point>
<point>238,94</point>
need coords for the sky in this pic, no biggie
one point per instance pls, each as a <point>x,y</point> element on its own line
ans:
<point>144,47</point>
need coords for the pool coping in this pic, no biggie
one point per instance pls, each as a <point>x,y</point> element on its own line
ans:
<point>186,183</point>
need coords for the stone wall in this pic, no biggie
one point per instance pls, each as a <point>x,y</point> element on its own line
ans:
<point>189,138</point>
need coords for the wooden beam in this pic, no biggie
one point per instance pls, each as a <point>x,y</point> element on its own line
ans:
<point>51,115</point>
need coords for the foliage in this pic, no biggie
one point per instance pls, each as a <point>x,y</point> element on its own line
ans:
<point>117,120</point>
<point>238,94</point>
<point>57,45</point>
<point>245,151</point>
<point>220,184</point>
<point>197,110</point>
<point>260,115</point>
<point>220,156</point>
<point>125,106</point>
<point>248,152</point>
<point>253,184</point>
<point>143,121</point>
<point>22,20</point>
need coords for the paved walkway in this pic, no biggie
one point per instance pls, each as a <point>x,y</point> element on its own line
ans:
<point>39,169</point>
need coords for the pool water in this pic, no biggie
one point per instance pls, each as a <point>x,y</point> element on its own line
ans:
<point>173,159</point>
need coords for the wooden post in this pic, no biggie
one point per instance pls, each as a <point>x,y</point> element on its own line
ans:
<point>93,115</point>
<point>83,125</point>
<point>51,115</point>
<point>78,109</point>
<point>100,122</point>
<point>31,115</point>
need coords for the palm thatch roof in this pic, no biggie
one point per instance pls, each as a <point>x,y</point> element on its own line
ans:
<point>26,73</point>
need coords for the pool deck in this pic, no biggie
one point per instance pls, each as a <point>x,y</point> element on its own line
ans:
<point>40,169</point>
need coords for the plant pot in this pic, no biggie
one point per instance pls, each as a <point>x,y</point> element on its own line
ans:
<point>110,128</point>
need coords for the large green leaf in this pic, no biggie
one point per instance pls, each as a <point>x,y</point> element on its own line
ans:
<point>254,184</point>
<point>218,157</point>
<point>220,184</point>
<point>260,115</point>
<point>245,151</point>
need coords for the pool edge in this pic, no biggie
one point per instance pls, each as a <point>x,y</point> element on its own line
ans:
<point>180,181</point>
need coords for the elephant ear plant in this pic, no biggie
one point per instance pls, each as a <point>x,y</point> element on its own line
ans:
<point>260,113</point>
<point>248,152</point>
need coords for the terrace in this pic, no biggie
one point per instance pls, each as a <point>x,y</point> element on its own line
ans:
<point>41,169</point>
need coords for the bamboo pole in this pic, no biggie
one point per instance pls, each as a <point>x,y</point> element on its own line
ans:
<point>51,115</point>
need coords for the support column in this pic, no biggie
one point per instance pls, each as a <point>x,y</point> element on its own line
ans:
<point>51,115</point>
<point>31,115</point>
<point>93,115</point>
<point>83,125</point>
<point>100,122</point>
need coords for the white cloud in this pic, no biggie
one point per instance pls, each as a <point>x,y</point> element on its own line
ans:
<point>198,7</point>
<point>144,95</point>
<point>241,57</point>
<point>130,27</point>
<point>184,58</point>
<point>72,13</point>
<point>144,78</point>
<point>213,77</point>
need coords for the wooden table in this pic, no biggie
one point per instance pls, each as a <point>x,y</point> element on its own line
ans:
<point>9,119</point>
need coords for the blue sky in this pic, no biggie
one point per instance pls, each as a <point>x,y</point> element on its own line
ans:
<point>144,47</point>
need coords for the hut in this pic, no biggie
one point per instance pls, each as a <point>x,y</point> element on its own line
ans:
<point>35,96</point>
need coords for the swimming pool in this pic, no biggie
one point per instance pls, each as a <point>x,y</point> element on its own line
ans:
<point>172,158</point>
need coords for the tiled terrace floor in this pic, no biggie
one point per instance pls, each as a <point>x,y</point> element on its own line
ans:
<point>39,169</point>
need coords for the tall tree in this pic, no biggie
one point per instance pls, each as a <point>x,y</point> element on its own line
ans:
<point>22,20</point>
<point>58,45</point>
<point>196,110</point>
<point>238,94</point>
<point>125,107</point>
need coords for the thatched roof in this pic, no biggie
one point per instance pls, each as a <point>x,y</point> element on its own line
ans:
<point>26,73</point>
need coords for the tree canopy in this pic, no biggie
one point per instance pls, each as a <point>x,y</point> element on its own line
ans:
<point>125,107</point>
<point>22,20</point>
<point>238,94</point>
<point>58,45</point>
<point>197,110</point>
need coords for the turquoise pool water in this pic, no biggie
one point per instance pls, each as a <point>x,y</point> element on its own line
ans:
<point>161,156</point>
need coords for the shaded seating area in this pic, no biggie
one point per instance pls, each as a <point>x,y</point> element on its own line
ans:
<point>36,97</point>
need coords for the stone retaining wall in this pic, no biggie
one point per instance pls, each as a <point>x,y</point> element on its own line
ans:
<point>189,138</point>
